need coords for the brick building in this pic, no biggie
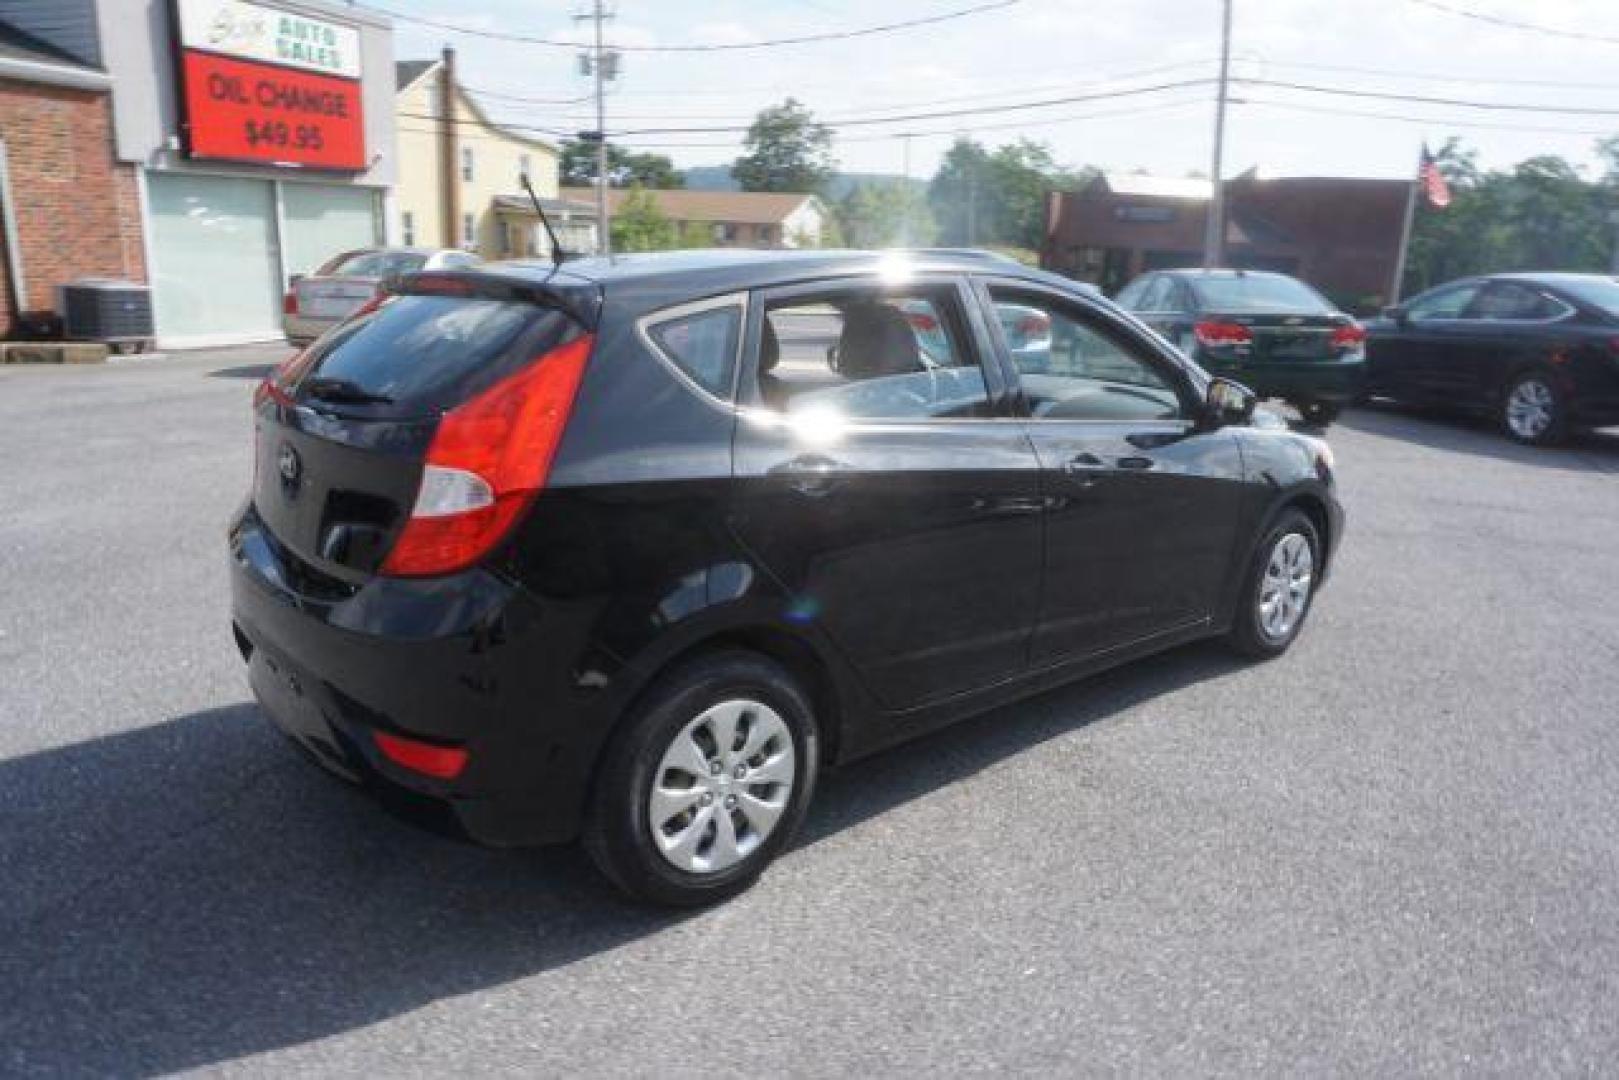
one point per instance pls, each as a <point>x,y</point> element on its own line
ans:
<point>214,148</point>
<point>1341,234</point>
<point>71,209</point>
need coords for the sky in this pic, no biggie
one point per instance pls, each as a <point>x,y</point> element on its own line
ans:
<point>1034,50</point>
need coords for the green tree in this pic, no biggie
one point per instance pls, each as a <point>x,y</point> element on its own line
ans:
<point>1540,215</point>
<point>640,226</point>
<point>695,234</point>
<point>625,168</point>
<point>886,215</point>
<point>981,197</point>
<point>785,150</point>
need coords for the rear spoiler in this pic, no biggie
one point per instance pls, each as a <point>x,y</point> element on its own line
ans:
<point>574,296</point>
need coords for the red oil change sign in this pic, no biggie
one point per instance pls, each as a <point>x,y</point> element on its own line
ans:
<point>239,110</point>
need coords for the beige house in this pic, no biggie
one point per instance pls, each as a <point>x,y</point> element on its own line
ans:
<point>457,180</point>
<point>744,219</point>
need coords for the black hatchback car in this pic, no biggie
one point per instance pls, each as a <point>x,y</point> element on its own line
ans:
<point>1271,332</point>
<point>630,549</point>
<point>1538,352</point>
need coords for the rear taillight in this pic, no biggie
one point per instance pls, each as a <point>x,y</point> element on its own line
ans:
<point>1223,333</point>
<point>289,302</point>
<point>285,374</point>
<point>1352,336</point>
<point>429,759</point>
<point>1034,326</point>
<point>487,460</point>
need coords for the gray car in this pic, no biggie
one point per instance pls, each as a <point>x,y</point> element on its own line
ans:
<point>317,302</point>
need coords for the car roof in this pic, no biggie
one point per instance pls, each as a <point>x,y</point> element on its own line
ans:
<point>1553,277</point>
<point>735,268</point>
<point>1220,272</point>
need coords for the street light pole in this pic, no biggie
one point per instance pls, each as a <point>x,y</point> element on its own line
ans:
<point>1214,236</point>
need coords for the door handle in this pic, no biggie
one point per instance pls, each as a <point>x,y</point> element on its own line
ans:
<point>811,474</point>
<point>1080,464</point>
<point>1136,463</point>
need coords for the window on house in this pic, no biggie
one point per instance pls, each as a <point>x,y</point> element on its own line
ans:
<point>469,231</point>
<point>407,229</point>
<point>466,163</point>
<point>525,167</point>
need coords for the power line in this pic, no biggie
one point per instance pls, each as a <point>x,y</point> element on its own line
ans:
<point>1431,121</point>
<point>1516,24</point>
<point>1434,77</point>
<point>802,39</point>
<point>940,114</point>
<point>1462,103</point>
<point>1125,77</point>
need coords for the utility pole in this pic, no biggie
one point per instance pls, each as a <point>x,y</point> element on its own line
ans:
<point>449,153</point>
<point>602,222</point>
<point>972,202</point>
<point>601,63</point>
<point>1214,237</point>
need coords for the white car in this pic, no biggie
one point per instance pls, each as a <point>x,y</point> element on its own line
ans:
<point>317,302</point>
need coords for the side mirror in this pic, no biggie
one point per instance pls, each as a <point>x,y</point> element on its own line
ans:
<point>1230,402</point>
<point>1397,315</point>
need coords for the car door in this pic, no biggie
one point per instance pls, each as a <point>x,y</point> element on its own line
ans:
<point>1143,498</point>
<point>1508,324</point>
<point>875,482</point>
<point>1407,353</point>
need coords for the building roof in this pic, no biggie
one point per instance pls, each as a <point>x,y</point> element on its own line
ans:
<point>1158,187</point>
<point>30,59</point>
<point>408,71</point>
<point>738,207</point>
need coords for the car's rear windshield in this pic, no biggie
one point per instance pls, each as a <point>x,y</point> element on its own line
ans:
<point>1258,294</point>
<point>419,355</point>
<point>376,264</point>
<point>1600,293</point>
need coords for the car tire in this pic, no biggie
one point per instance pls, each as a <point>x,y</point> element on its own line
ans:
<point>1271,610</point>
<point>665,834</point>
<point>1533,409</point>
<point>1319,413</point>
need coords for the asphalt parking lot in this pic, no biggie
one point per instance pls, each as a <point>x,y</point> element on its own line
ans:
<point>1394,851</point>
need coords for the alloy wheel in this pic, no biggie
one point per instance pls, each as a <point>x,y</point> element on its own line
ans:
<point>1531,409</point>
<point>722,786</point>
<point>1284,591</point>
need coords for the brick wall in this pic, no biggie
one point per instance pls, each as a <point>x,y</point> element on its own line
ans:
<point>77,208</point>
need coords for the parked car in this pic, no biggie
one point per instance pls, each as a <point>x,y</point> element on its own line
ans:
<point>1538,352</point>
<point>621,551</point>
<point>1270,332</point>
<point>317,302</point>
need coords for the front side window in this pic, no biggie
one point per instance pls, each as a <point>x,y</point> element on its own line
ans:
<point>869,354</point>
<point>1075,369</point>
<point>702,344</point>
<point>1131,295</point>
<point>1443,303</point>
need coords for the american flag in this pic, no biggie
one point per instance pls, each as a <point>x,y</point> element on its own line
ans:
<point>1433,181</point>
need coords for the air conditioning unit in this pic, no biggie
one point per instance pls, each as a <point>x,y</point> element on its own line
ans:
<point>103,309</point>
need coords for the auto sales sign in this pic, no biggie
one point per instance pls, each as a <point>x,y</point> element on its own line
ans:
<point>265,85</point>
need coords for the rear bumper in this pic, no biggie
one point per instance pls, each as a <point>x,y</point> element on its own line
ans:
<point>1335,381</point>
<point>449,661</point>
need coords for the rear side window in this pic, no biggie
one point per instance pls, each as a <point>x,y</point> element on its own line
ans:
<point>1506,300</point>
<point>418,355</point>
<point>702,344</point>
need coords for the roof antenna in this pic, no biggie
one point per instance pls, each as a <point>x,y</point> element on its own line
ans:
<point>558,254</point>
